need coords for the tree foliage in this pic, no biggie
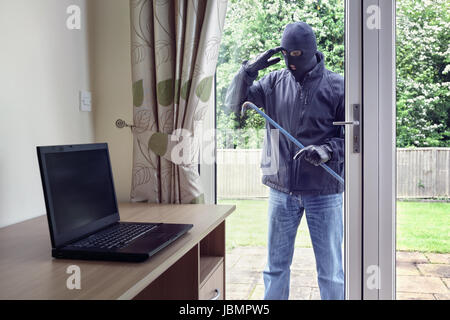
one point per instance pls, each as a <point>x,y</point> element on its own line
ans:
<point>423,66</point>
<point>254,26</point>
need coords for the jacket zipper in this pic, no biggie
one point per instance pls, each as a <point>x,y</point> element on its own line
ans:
<point>292,152</point>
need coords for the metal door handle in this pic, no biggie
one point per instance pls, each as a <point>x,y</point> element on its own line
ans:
<point>356,129</point>
<point>217,295</point>
<point>346,123</point>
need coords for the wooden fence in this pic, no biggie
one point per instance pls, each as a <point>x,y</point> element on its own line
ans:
<point>421,173</point>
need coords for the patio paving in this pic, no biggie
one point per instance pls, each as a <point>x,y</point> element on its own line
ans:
<point>420,276</point>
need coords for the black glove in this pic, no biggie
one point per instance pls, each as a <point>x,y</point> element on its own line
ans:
<point>262,61</point>
<point>315,155</point>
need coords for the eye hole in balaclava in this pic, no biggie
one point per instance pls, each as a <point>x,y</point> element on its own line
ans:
<point>299,48</point>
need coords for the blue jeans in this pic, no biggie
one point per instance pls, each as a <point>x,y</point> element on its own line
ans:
<point>324,217</point>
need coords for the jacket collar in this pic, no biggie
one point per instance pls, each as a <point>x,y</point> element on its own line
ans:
<point>317,71</point>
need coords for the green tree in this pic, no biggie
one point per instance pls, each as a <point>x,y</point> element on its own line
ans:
<point>254,26</point>
<point>423,61</point>
<point>423,57</point>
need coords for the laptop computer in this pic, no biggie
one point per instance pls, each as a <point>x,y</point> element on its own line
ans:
<point>82,209</point>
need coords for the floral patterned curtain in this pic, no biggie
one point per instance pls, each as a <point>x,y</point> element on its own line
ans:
<point>175,46</point>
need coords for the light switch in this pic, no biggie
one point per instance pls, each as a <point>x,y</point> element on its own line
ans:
<point>85,101</point>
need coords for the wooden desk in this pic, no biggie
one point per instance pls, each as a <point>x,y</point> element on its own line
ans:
<point>192,267</point>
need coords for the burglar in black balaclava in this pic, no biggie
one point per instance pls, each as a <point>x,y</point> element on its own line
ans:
<point>305,99</point>
<point>299,49</point>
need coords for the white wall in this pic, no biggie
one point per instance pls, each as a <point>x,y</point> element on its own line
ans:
<point>112,96</point>
<point>43,65</point>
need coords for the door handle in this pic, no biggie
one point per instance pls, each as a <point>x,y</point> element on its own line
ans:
<point>356,127</point>
<point>346,123</point>
<point>216,295</point>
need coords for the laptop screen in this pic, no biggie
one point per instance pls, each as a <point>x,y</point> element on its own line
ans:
<point>80,191</point>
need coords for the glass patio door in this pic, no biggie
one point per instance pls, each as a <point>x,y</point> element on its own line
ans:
<point>370,150</point>
<point>369,215</point>
<point>353,158</point>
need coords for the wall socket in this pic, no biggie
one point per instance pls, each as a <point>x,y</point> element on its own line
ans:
<point>85,101</point>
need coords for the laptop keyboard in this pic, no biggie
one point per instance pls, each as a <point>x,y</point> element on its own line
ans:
<point>116,237</point>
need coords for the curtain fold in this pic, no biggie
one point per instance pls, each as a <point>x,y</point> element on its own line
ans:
<point>175,47</point>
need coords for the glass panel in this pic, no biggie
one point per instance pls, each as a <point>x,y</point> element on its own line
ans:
<point>252,28</point>
<point>423,150</point>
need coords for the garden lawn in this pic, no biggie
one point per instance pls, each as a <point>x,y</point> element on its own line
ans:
<point>421,226</point>
<point>247,226</point>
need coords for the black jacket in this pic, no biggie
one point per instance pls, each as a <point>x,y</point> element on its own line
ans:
<point>307,112</point>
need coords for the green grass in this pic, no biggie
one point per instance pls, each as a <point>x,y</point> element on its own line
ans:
<point>247,226</point>
<point>421,226</point>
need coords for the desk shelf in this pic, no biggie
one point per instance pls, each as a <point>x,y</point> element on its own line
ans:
<point>212,265</point>
<point>212,285</point>
<point>199,274</point>
<point>208,265</point>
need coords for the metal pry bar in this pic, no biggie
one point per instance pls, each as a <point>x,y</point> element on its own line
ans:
<point>290,137</point>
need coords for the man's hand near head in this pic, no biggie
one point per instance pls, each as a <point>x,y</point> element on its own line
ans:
<point>262,61</point>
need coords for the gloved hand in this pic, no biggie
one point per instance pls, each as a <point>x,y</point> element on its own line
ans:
<point>262,61</point>
<point>315,155</point>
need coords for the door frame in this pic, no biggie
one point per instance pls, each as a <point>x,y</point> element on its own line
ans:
<point>353,161</point>
<point>370,176</point>
<point>379,149</point>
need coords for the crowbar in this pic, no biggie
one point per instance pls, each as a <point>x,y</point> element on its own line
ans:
<point>290,137</point>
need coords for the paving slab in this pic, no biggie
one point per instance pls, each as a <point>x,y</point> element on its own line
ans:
<point>296,293</point>
<point>303,261</point>
<point>304,278</point>
<point>442,258</point>
<point>303,252</point>
<point>435,270</point>
<point>251,262</point>
<point>413,257</point>
<point>299,293</point>
<point>447,282</point>
<point>420,284</point>
<point>315,294</point>
<point>260,279</point>
<point>238,291</point>
<point>235,276</point>
<point>249,250</point>
<point>420,276</point>
<point>414,296</point>
<point>442,296</point>
<point>231,259</point>
<point>407,269</point>
<point>258,292</point>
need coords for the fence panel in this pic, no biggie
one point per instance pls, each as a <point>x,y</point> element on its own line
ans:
<point>239,174</point>
<point>421,173</point>
<point>443,172</point>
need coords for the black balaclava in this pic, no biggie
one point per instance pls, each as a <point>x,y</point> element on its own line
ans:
<point>299,36</point>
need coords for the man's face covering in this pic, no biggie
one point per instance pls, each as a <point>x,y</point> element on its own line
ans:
<point>299,44</point>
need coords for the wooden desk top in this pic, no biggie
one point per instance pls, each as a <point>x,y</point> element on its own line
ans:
<point>27,270</point>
